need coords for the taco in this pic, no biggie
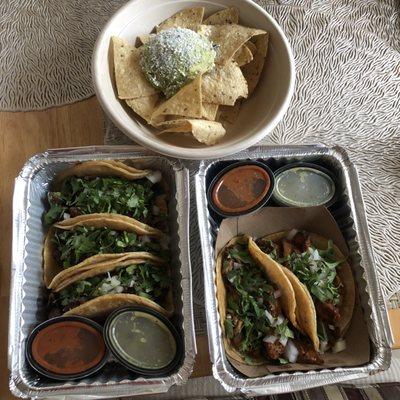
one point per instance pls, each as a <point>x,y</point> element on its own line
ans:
<point>322,280</point>
<point>257,305</point>
<point>108,186</point>
<point>71,242</point>
<point>133,279</point>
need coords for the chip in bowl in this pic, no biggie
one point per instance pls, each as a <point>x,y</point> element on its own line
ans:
<point>191,74</point>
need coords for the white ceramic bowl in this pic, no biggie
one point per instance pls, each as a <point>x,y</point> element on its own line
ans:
<point>259,114</point>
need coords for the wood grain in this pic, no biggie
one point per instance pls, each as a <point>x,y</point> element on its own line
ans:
<point>23,135</point>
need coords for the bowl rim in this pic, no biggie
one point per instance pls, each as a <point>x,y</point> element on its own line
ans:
<point>199,153</point>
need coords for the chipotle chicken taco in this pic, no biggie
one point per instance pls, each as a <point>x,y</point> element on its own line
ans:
<point>322,280</point>
<point>257,310</point>
<point>108,186</point>
<point>138,278</point>
<point>88,238</point>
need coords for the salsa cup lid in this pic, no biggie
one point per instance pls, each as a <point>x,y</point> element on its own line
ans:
<point>330,186</point>
<point>263,200</point>
<point>119,350</point>
<point>93,331</point>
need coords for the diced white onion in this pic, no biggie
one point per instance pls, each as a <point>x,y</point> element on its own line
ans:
<point>313,266</point>
<point>283,341</point>
<point>114,282</point>
<point>323,346</point>
<point>119,289</point>
<point>277,294</point>
<point>156,210</point>
<point>270,339</point>
<point>236,265</point>
<point>291,352</point>
<point>154,177</point>
<point>66,216</point>
<point>280,319</point>
<point>339,346</point>
<point>291,234</point>
<point>331,327</point>
<point>271,319</point>
<point>145,239</point>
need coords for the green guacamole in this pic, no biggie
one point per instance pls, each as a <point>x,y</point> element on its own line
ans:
<point>174,57</point>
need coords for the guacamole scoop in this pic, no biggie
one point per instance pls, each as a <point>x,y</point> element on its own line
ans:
<point>174,57</point>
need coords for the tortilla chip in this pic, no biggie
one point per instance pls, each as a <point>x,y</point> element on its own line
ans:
<point>252,47</point>
<point>117,222</point>
<point>143,39</point>
<point>102,306</point>
<point>110,168</point>
<point>187,102</point>
<point>226,16</point>
<point>275,275</point>
<point>210,111</point>
<point>252,71</point>
<point>189,18</point>
<point>224,85</point>
<point>229,38</point>
<point>208,132</point>
<point>130,80</point>
<point>243,56</point>
<point>144,106</point>
<point>229,114</point>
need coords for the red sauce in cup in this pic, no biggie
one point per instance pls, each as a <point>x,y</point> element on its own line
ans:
<point>241,188</point>
<point>68,347</point>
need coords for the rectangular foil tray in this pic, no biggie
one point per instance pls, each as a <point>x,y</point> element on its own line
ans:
<point>352,221</point>
<point>26,305</point>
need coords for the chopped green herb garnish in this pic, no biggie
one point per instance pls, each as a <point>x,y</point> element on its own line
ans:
<point>73,246</point>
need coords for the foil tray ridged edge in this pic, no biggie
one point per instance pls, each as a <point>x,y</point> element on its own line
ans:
<point>19,253</point>
<point>378,323</point>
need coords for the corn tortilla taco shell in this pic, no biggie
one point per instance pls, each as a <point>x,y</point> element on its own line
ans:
<point>109,264</point>
<point>277,276</point>
<point>222,305</point>
<point>100,307</point>
<point>190,18</point>
<point>303,295</point>
<point>113,221</point>
<point>101,168</point>
<point>101,263</point>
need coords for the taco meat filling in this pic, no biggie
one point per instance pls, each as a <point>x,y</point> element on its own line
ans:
<point>254,322</point>
<point>73,246</point>
<point>139,199</point>
<point>145,280</point>
<point>317,269</point>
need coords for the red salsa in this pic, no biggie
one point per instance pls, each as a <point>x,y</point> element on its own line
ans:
<point>241,188</point>
<point>68,347</point>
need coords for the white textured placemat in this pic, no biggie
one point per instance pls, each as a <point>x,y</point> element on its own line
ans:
<point>45,50</point>
<point>347,93</point>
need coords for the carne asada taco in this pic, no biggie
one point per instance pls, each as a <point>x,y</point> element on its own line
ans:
<point>70,242</point>
<point>255,317</point>
<point>135,278</point>
<point>322,280</point>
<point>108,186</point>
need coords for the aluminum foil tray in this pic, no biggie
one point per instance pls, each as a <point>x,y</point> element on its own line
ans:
<point>27,308</point>
<point>349,213</point>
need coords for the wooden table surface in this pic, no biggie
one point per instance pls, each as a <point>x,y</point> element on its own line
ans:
<point>23,135</point>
